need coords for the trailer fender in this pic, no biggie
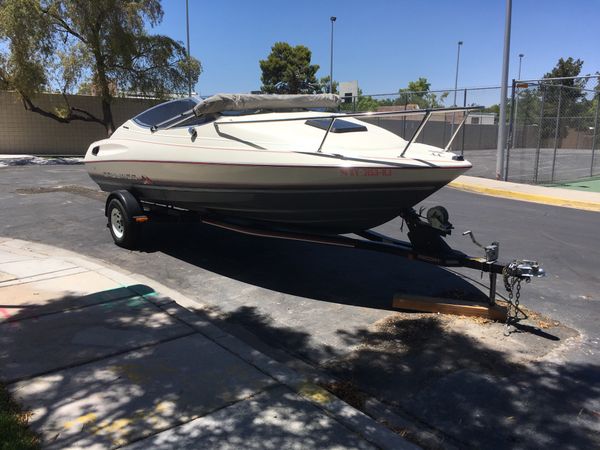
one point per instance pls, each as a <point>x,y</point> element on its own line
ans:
<point>131,204</point>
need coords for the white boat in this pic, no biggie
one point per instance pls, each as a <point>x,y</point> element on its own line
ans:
<point>272,159</point>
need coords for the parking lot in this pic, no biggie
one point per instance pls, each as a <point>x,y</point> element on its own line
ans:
<point>329,309</point>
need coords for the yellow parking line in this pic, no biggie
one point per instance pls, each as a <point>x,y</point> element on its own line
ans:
<point>527,197</point>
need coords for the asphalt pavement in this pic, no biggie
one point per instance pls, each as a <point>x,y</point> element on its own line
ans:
<point>323,307</point>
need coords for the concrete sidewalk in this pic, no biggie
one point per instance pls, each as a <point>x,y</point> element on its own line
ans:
<point>569,198</point>
<point>105,359</point>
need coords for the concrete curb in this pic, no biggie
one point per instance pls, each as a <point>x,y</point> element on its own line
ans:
<point>347,415</point>
<point>587,201</point>
<point>176,305</point>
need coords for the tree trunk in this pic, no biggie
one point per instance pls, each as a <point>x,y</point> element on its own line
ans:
<point>107,116</point>
<point>103,84</point>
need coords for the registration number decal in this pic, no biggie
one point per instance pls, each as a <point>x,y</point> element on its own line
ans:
<point>366,172</point>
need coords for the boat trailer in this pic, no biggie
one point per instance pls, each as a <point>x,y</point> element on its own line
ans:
<point>425,244</point>
<point>425,234</point>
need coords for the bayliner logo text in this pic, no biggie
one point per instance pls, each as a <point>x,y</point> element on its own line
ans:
<point>128,176</point>
<point>366,172</point>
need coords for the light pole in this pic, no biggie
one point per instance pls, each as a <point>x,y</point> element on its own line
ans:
<point>332,19</point>
<point>520,61</point>
<point>501,147</point>
<point>187,26</point>
<point>460,43</point>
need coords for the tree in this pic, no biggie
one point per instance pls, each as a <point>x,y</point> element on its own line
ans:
<point>97,46</point>
<point>323,86</point>
<point>418,93</point>
<point>572,88</point>
<point>567,93</point>
<point>361,103</point>
<point>491,109</point>
<point>366,103</point>
<point>287,70</point>
<point>593,104</point>
<point>567,68</point>
<point>529,107</point>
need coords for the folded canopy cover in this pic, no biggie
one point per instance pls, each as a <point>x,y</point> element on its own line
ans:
<point>237,102</point>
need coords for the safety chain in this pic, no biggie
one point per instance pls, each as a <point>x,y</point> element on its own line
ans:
<point>512,284</point>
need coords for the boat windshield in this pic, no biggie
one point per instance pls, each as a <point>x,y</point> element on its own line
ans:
<point>167,113</point>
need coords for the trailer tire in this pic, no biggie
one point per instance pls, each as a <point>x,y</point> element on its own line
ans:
<point>123,229</point>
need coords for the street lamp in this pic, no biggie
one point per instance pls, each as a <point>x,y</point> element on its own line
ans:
<point>460,43</point>
<point>501,147</point>
<point>520,61</point>
<point>187,26</point>
<point>332,19</point>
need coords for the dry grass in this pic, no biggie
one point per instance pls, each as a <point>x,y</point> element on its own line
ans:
<point>348,392</point>
<point>401,431</point>
<point>477,319</point>
<point>540,320</point>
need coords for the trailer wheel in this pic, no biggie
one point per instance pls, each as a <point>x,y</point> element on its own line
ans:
<point>123,229</point>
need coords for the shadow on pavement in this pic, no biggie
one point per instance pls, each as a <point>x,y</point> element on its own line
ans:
<point>150,373</point>
<point>111,372</point>
<point>480,397</point>
<point>332,274</point>
<point>472,396</point>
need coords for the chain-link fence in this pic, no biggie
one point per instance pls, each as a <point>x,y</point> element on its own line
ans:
<point>554,130</point>
<point>553,126</point>
<point>478,138</point>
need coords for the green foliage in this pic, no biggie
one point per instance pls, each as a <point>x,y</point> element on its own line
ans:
<point>14,433</point>
<point>492,109</point>
<point>572,88</point>
<point>362,103</point>
<point>563,97</point>
<point>593,104</point>
<point>322,86</point>
<point>418,93</point>
<point>420,85</point>
<point>567,68</point>
<point>287,70</point>
<point>97,46</point>
<point>366,102</point>
<point>26,32</point>
<point>529,107</point>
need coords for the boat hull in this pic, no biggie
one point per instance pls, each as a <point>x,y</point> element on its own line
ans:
<point>326,198</point>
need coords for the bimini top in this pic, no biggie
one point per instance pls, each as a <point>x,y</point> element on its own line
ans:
<point>236,102</point>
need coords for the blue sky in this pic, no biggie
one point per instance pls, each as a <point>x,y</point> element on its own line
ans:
<point>384,44</point>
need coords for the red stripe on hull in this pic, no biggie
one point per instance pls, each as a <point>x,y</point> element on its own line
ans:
<point>297,166</point>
